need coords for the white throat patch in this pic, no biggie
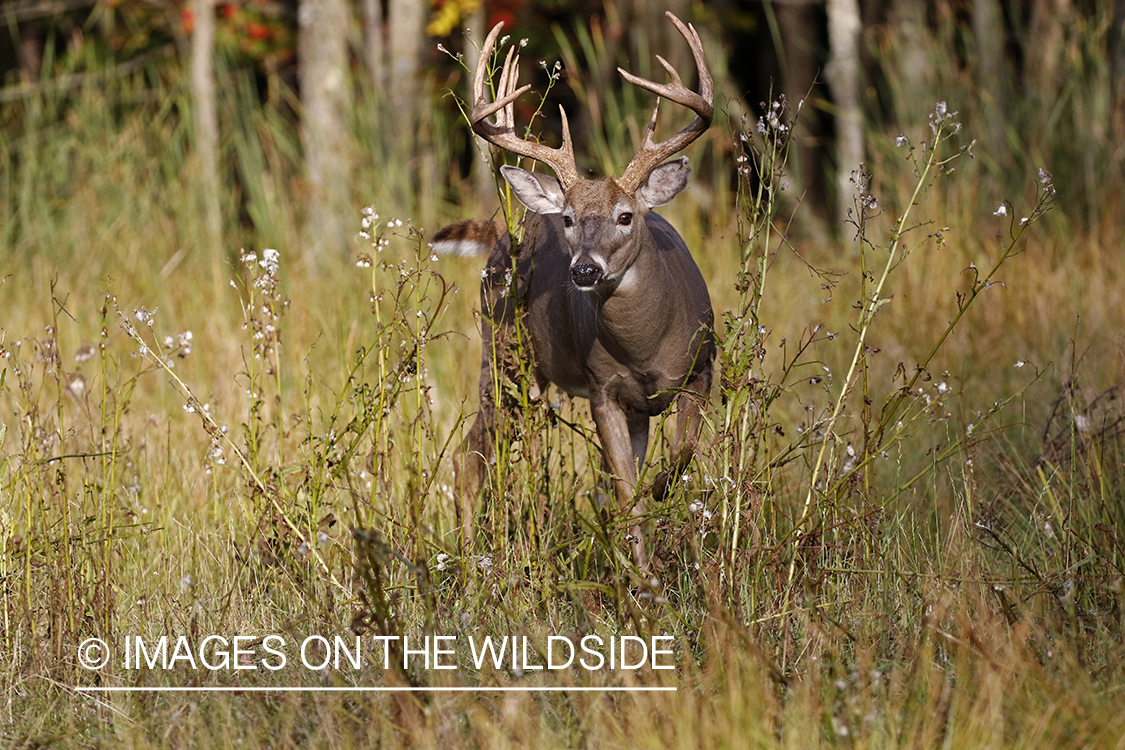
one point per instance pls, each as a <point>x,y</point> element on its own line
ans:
<point>628,280</point>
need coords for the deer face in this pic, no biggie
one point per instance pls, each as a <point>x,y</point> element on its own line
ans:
<point>603,225</point>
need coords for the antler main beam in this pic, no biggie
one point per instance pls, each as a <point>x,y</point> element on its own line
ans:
<point>502,132</point>
<point>651,154</point>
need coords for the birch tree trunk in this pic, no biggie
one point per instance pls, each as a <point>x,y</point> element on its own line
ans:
<point>843,73</point>
<point>323,74</point>
<point>207,131</point>
<point>374,47</point>
<point>480,169</point>
<point>406,24</point>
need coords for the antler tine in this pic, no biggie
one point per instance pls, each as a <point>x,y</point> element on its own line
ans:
<point>502,132</point>
<point>651,154</point>
<point>481,71</point>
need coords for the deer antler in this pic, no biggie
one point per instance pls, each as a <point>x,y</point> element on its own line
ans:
<point>502,132</point>
<point>652,154</point>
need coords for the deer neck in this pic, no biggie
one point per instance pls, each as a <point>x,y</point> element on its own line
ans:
<point>634,316</point>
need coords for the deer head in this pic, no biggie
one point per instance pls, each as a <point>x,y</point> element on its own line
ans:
<point>602,219</point>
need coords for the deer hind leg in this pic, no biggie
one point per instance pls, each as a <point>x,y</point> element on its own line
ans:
<point>689,405</point>
<point>472,462</point>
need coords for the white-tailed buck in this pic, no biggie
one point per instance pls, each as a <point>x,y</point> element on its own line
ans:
<point>615,308</point>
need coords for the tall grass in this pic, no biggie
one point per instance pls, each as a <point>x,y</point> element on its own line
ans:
<point>904,527</point>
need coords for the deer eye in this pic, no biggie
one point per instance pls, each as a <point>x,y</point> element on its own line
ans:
<point>568,222</point>
<point>625,219</point>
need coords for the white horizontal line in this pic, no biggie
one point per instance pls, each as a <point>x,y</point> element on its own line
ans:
<point>260,689</point>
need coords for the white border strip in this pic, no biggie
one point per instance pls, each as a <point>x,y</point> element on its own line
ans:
<point>260,689</point>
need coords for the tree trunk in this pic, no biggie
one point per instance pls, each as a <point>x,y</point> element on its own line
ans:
<point>407,23</point>
<point>843,73</point>
<point>323,75</point>
<point>912,42</point>
<point>374,48</point>
<point>480,166</point>
<point>797,34</point>
<point>989,31</point>
<point>207,132</point>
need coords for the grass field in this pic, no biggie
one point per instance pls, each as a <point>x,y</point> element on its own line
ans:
<point>905,528</point>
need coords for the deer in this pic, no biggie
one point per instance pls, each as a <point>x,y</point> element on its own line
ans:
<point>615,309</point>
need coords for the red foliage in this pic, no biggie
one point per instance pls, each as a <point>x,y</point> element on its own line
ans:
<point>507,16</point>
<point>503,10</point>
<point>257,30</point>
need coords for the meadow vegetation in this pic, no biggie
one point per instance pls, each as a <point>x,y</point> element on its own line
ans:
<point>905,527</point>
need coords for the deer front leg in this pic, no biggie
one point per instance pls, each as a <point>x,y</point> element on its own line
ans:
<point>624,438</point>
<point>689,404</point>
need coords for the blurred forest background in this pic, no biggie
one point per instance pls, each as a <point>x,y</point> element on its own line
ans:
<point>332,98</point>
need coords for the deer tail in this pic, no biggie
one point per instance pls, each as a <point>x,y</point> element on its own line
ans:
<point>467,237</point>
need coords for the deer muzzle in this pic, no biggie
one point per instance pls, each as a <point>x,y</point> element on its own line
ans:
<point>585,275</point>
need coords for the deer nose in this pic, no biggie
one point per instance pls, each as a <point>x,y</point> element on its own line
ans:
<point>585,274</point>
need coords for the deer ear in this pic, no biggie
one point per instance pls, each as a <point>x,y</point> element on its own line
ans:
<point>541,193</point>
<point>664,183</point>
